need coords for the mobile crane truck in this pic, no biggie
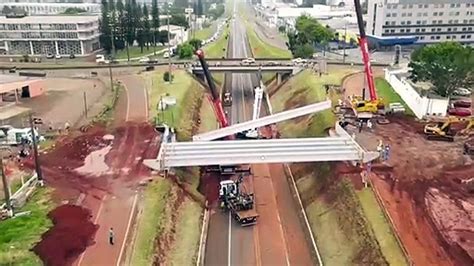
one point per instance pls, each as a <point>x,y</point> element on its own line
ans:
<point>238,203</point>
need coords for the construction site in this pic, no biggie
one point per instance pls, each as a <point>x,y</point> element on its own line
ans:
<point>243,162</point>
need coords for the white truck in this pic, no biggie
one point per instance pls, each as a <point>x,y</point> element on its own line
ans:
<point>100,59</point>
<point>14,136</point>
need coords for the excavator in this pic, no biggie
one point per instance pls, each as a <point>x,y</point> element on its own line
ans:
<point>359,103</point>
<point>442,130</point>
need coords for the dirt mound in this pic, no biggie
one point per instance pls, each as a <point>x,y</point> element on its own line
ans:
<point>71,233</point>
<point>209,187</point>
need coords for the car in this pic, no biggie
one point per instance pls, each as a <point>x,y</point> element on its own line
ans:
<point>299,61</point>
<point>50,56</point>
<point>459,111</point>
<point>72,56</point>
<point>465,103</point>
<point>248,61</point>
<point>144,60</point>
<point>272,63</point>
<point>58,56</point>
<point>462,92</point>
<point>166,55</point>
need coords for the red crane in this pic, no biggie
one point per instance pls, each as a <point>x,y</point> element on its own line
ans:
<point>216,100</point>
<point>365,52</point>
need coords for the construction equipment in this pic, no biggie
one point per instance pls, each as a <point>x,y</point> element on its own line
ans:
<point>442,130</point>
<point>359,103</point>
<point>238,203</point>
<point>17,136</point>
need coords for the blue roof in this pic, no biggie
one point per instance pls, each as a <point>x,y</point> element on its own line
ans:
<point>392,40</point>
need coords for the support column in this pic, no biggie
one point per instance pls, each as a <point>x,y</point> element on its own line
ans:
<point>56,46</point>
<point>6,47</point>
<point>278,78</point>
<point>82,47</point>
<point>32,51</point>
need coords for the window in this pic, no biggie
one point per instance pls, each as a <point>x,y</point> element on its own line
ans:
<point>394,15</point>
<point>418,14</point>
<point>438,29</point>
<point>422,37</point>
<point>404,6</point>
<point>417,30</point>
<point>418,22</point>
<point>423,30</point>
<point>392,31</point>
<point>440,22</point>
<point>410,6</point>
<point>389,15</point>
<point>451,5</point>
<point>389,6</point>
<point>393,23</point>
<point>468,5</point>
<point>455,21</point>
<point>448,37</point>
<point>454,37</point>
<point>463,36</point>
<point>455,29</point>
<point>465,21</point>
<point>404,15</point>
<point>435,14</point>
<point>386,31</point>
<point>440,13</point>
<point>402,30</point>
<point>387,23</point>
<point>408,22</point>
<point>425,6</point>
<point>433,30</point>
<point>434,22</point>
<point>394,6</point>
<point>457,13</point>
<point>420,5</point>
<point>424,22</point>
<point>409,14</point>
<point>450,21</point>
<point>402,23</point>
<point>471,21</point>
<point>438,37</point>
<point>469,28</point>
<point>449,29</point>
<point>432,37</point>
<point>463,29</point>
<point>425,14</point>
<point>408,30</point>
<point>468,36</point>
<point>458,5</point>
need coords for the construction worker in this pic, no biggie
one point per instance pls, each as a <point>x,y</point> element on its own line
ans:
<point>380,149</point>
<point>111,236</point>
<point>387,152</point>
<point>369,125</point>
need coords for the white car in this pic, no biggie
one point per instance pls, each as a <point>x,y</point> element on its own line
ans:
<point>58,56</point>
<point>144,60</point>
<point>166,55</point>
<point>248,61</point>
<point>299,61</point>
<point>462,92</point>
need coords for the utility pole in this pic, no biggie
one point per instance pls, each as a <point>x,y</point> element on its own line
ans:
<point>34,139</point>
<point>6,189</point>
<point>85,104</point>
<point>344,48</point>
<point>169,45</point>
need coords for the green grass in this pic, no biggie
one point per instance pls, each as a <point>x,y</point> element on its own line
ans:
<point>335,246</point>
<point>208,118</point>
<point>151,221</point>
<point>306,88</point>
<point>185,248</point>
<point>20,234</point>
<point>205,33</point>
<point>388,94</point>
<point>218,48</point>
<point>267,76</point>
<point>382,230</point>
<point>135,51</point>
<point>261,49</point>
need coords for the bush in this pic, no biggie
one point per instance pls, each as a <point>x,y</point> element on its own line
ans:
<point>185,51</point>
<point>167,76</point>
<point>282,29</point>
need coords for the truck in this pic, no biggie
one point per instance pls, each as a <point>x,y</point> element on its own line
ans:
<point>240,204</point>
<point>16,136</point>
<point>100,59</point>
<point>227,99</point>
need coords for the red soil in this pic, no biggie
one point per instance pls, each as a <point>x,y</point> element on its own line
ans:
<point>73,229</point>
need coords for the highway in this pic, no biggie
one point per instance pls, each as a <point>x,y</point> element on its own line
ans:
<point>278,237</point>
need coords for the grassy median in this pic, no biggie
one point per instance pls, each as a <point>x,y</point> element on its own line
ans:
<point>388,94</point>
<point>261,49</point>
<point>218,48</point>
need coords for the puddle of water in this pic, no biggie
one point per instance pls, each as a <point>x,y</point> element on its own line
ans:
<point>94,163</point>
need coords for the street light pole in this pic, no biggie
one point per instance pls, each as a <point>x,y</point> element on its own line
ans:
<point>34,139</point>
<point>344,49</point>
<point>169,45</point>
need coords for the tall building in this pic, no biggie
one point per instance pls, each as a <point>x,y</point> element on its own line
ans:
<point>51,8</point>
<point>429,20</point>
<point>41,35</point>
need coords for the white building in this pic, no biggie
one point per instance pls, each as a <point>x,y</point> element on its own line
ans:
<point>41,35</point>
<point>178,34</point>
<point>50,8</point>
<point>429,20</point>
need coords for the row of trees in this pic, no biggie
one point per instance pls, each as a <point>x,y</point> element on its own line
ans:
<point>307,34</point>
<point>447,66</point>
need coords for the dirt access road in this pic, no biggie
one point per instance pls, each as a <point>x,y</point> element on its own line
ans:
<point>100,170</point>
<point>430,206</point>
<point>278,237</point>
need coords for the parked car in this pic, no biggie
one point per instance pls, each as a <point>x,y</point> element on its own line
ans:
<point>100,59</point>
<point>144,60</point>
<point>459,111</point>
<point>299,61</point>
<point>50,56</point>
<point>248,61</point>
<point>72,56</point>
<point>465,103</point>
<point>462,92</point>
<point>58,56</point>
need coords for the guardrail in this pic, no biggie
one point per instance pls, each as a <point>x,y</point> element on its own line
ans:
<point>21,191</point>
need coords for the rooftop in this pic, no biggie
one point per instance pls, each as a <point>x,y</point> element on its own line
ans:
<point>49,19</point>
<point>4,79</point>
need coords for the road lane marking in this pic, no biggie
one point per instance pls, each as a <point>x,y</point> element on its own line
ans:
<point>128,229</point>
<point>128,101</point>
<point>280,225</point>
<point>145,91</point>
<point>229,240</point>
<point>99,211</point>
<point>258,259</point>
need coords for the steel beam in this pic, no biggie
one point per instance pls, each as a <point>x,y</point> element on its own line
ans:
<point>260,122</point>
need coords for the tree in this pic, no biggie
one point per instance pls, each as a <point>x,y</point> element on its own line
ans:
<point>139,24</point>
<point>195,43</point>
<point>185,50</point>
<point>162,37</point>
<point>129,26</point>
<point>198,10</point>
<point>6,10</point>
<point>447,66</point>
<point>181,3</point>
<point>155,20</point>
<point>113,22</point>
<point>121,25</point>
<point>308,31</point>
<point>215,13</point>
<point>146,27</point>
<point>304,50</point>
<point>105,31</point>
<point>179,20</point>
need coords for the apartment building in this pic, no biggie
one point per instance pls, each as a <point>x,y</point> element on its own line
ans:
<point>430,21</point>
<point>50,8</point>
<point>41,35</point>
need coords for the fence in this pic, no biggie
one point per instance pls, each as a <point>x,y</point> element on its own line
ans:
<point>420,105</point>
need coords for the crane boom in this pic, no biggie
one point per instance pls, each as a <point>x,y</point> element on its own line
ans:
<point>365,51</point>
<point>216,100</point>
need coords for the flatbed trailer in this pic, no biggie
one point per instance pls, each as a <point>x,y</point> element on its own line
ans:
<point>244,217</point>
